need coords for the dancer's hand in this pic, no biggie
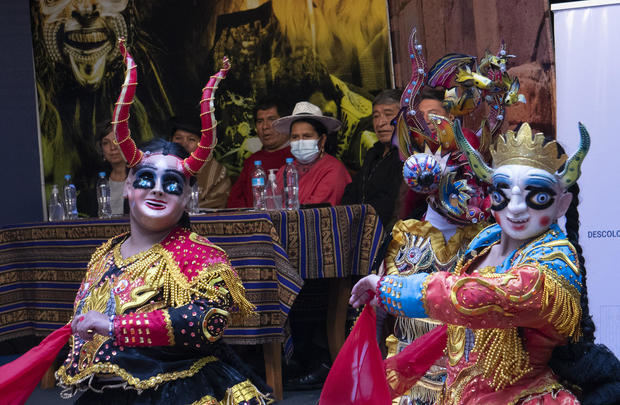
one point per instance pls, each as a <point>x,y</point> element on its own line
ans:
<point>88,324</point>
<point>363,291</point>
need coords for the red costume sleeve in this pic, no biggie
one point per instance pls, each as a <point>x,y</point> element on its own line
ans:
<point>524,296</point>
<point>193,325</point>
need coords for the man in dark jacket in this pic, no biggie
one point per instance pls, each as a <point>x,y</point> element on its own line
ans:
<point>378,181</point>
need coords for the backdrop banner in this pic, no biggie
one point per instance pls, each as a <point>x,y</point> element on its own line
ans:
<point>334,54</point>
<point>587,63</point>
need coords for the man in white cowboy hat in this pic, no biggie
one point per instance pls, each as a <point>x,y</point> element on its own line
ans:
<point>322,177</point>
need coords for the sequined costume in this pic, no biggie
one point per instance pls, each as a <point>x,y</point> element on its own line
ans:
<point>504,321</point>
<point>419,247</point>
<point>171,305</point>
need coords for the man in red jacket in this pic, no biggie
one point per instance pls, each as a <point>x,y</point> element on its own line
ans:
<point>273,154</point>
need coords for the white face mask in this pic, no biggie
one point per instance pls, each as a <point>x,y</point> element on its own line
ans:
<point>306,150</point>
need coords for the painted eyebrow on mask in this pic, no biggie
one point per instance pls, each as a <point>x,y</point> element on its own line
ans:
<point>539,181</point>
<point>501,181</point>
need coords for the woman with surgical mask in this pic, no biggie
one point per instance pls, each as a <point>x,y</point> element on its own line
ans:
<point>322,177</point>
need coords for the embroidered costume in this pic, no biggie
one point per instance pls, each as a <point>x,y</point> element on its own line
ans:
<point>504,321</point>
<point>168,304</point>
<point>171,305</point>
<point>418,247</point>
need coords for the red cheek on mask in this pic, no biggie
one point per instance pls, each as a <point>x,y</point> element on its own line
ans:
<point>545,221</point>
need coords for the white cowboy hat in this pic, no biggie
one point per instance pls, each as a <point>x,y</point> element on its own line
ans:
<point>304,109</point>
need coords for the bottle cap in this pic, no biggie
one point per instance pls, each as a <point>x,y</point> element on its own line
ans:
<point>102,174</point>
<point>258,163</point>
<point>67,177</point>
<point>289,160</point>
<point>272,174</point>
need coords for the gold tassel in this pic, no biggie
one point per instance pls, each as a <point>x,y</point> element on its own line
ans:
<point>237,291</point>
<point>565,303</point>
<point>502,358</point>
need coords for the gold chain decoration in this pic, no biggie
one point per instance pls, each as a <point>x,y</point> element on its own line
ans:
<point>503,359</point>
<point>152,382</point>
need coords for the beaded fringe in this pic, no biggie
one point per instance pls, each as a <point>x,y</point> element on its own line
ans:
<point>412,328</point>
<point>503,359</point>
<point>565,315</point>
<point>158,268</point>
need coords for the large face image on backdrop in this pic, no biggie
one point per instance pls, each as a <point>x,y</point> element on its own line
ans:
<point>323,53</point>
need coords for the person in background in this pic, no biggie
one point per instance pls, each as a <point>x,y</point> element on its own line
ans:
<point>322,177</point>
<point>115,168</point>
<point>273,154</point>
<point>378,181</point>
<point>212,180</point>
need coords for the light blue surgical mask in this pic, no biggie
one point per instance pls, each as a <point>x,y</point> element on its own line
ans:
<point>306,150</point>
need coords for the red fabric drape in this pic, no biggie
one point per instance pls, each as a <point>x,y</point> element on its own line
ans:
<point>408,366</point>
<point>20,377</point>
<point>360,376</point>
<point>357,376</point>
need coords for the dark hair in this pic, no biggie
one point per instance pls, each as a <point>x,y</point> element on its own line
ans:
<point>103,128</point>
<point>388,96</point>
<point>266,103</point>
<point>188,122</point>
<point>432,93</point>
<point>591,367</point>
<point>165,147</point>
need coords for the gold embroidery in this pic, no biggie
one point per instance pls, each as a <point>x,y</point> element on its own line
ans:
<point>152,382</point>
<point>453,393</point>
<point>194,237</point>
<point>169,328</point>
<point>244,391</point>
<point>98,298</point>
<point>456,343</point>
<point>205,330</point>
<point>549,388</point>
<point>443,253</point>
<point>494,288</point>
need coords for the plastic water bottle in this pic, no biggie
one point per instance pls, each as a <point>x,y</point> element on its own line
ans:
<point>55,211</point>
<point>70,196</point>
<point>103,196</point>
<point>273,198</point>
<point>258,186</point>
<point>291,186</point>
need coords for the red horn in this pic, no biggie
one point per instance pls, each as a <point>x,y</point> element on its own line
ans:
<point>208,138</point>
<point>128,147</point>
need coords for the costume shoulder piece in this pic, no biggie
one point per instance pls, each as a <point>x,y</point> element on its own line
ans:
<point>196,265</point>
<point>194,253</point>
<point>556,256</point>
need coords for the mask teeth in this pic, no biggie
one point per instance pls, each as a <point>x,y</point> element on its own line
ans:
<point>208,138</point>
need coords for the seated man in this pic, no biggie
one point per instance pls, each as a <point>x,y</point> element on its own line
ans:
<point>378,180</point>
<point>273,154</point>
<point>322,177</point>
<point>213,180</point>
